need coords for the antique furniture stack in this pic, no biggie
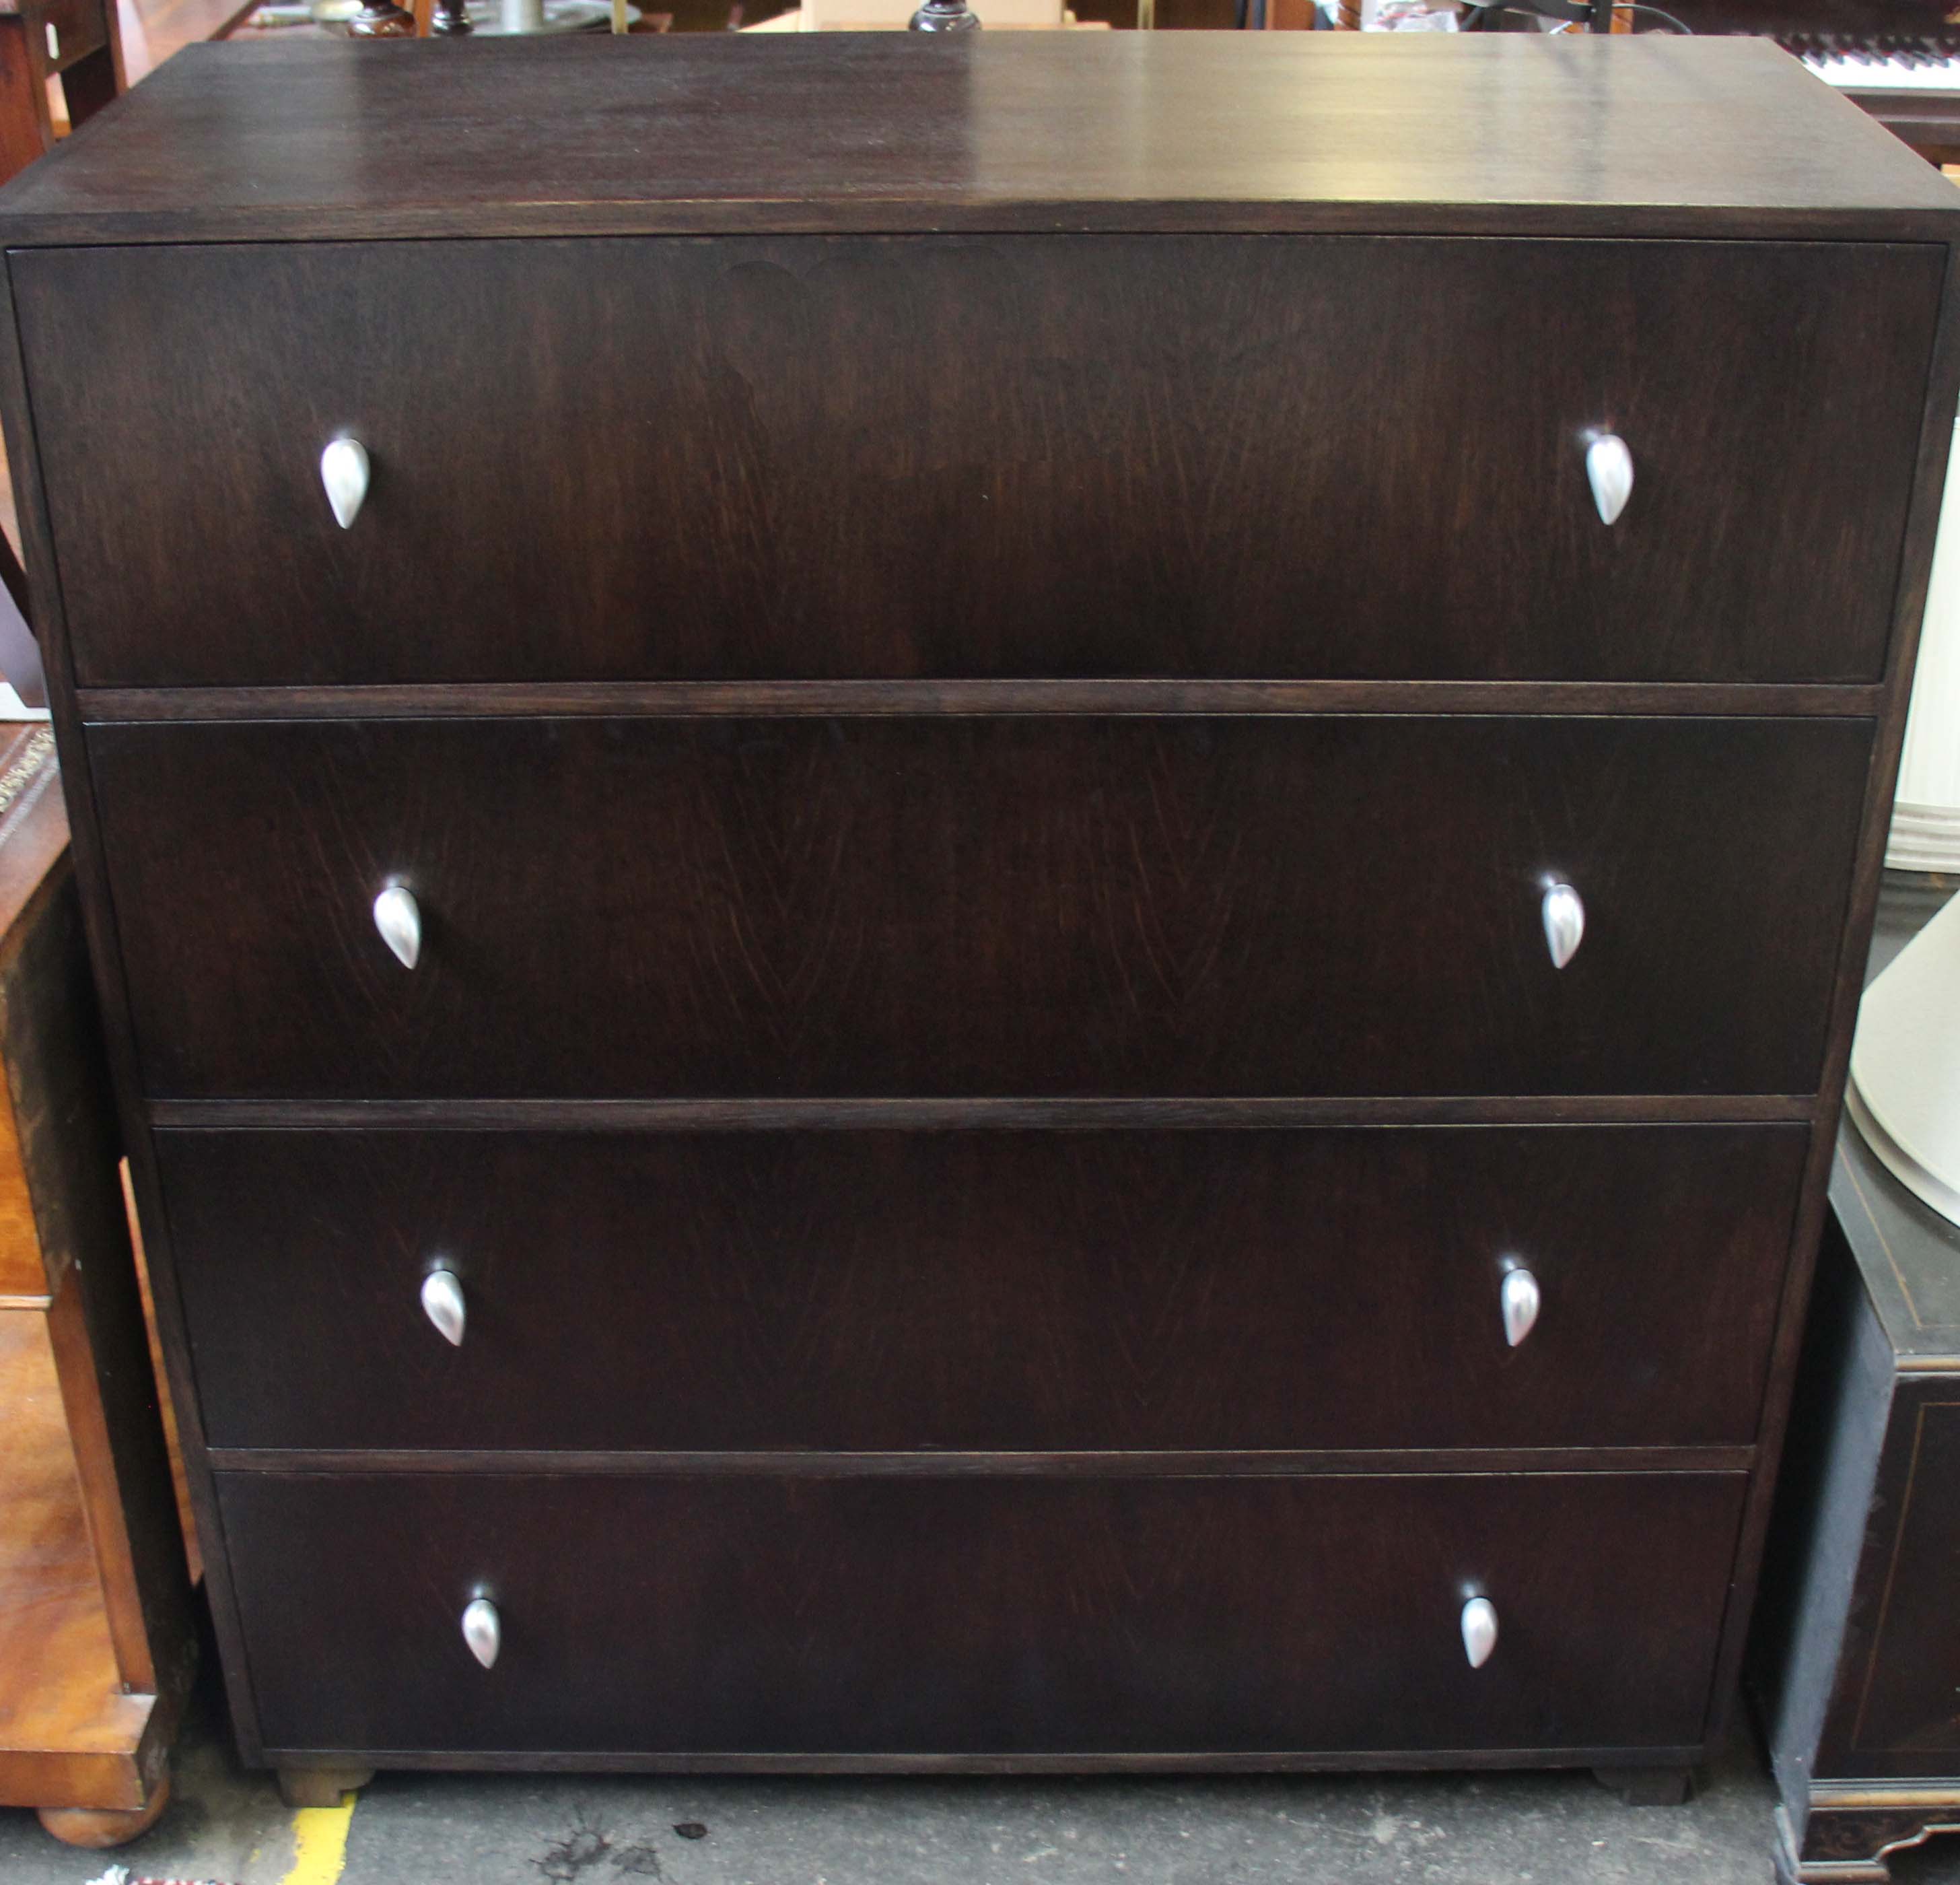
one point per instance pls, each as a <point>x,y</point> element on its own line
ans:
<point>986,904</point>
<point>96,1650</point>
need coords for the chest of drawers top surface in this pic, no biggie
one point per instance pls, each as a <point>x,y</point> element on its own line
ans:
<point>867,133</point>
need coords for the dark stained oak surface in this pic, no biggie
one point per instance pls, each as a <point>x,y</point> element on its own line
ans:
<point>858,867</point>
<point>981,1616</point>
<point>984,1291</point>
<point>980,457</point>
<point>1067,131</point>
<point>971,906</point>
<point>712,699</point>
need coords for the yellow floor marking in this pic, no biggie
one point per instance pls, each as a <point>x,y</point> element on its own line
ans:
<point>320,1843</point>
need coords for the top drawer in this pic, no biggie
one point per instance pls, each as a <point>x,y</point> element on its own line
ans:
<point>761,458</point>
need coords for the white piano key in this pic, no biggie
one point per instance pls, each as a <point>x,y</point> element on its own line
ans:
<point>1887,75</point>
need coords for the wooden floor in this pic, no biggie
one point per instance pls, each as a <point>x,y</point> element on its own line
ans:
<point>63,1690</point>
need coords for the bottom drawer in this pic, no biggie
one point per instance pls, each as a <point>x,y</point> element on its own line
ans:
<point>970,1616</point>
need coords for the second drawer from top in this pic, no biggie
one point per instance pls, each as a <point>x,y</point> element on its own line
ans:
<point>1043,906</point>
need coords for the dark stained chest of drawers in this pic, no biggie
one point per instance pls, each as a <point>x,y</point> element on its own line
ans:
<point>975,663</point>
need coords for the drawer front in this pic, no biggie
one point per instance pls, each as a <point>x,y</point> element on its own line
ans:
<point>886,1291</point>
<point>1009,456</point>
<point>1038,906</point>
<point>980,1616</point>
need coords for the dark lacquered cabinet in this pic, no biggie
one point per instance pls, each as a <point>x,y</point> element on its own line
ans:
<point>1856,1661</point>
<point>961,954</point>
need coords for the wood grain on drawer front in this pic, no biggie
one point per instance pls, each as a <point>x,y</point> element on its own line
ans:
<point>959,907</point>
<point>1006,456</point>
<point>987,1290</point>
<point>979,1616</point>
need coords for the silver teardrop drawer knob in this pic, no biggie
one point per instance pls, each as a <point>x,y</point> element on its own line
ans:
<point>1609,470</point>
<point>1518,1297</point>
<point>483,1631</point>
<point>399,918</point>
<point>343,470</point>
<point>1480,1631</point>
<point>1564,923</point>
<point>442,1302</point>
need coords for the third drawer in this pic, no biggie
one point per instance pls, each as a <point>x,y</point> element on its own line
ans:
<point>1339,1288</point>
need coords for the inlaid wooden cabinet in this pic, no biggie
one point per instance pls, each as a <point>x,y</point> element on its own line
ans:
<point>1025,940</point>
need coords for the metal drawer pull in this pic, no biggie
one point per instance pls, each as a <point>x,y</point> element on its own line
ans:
<point>1518,1298</point>
<point>343,469</point>
<point>1609,470</point>
<point>483,1631</point>
<point>442,1299</point>
<point>1480,1631</point>
<point>400,919</point>
<point>1564,922</point>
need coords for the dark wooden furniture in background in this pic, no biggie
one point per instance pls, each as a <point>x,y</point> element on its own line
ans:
<point>79,41</point>
<point>1856,1661</point>
<point>96,1649</point>
<point>966,883</point>
<point>1881,32</point>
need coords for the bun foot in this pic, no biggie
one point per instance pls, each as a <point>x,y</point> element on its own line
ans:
<point>321,1786</point>
<point>1648,1786</point>
<point>100,1827</point>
